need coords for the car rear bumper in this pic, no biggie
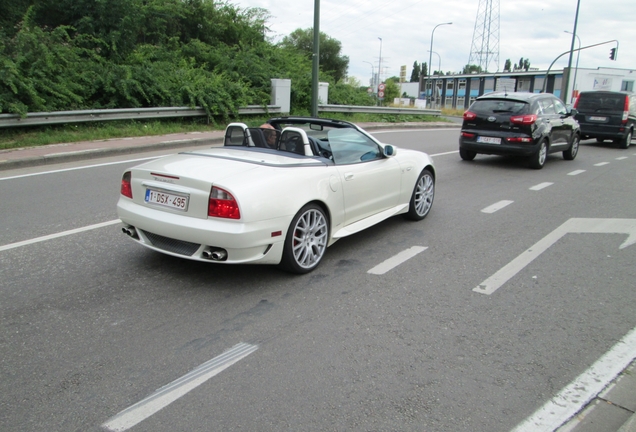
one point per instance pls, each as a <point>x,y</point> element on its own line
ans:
<point>257,242</point>
<point>499,149</point>
<point>603,131</point>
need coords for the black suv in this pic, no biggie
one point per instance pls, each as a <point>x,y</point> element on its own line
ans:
<point>519,123</point>
<point>607,115</point>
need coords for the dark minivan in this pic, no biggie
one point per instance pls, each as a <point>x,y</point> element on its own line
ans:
<point>519,123</point>
<point>607,115</point>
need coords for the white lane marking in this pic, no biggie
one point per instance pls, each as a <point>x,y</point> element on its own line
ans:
<point>414,130</point>
<point>179,387</point>
<point>396,260</point>
<point>444,154</point>
<point>583,389</point>
<point>541,186</point>
<point>577,172</point>
<point>497,206</point>
<point>621,158</point>
<point>60,234</point>
<point>78,168</point>
<point>574,225</point>
<point>601,163</point>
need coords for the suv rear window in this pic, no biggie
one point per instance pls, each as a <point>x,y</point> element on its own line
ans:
<point>494,106</point>
<point>601,102</point>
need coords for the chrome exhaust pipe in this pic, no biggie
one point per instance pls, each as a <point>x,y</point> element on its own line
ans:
<point>215,254</point>
<point>219,255</point>
<point>129,231</point>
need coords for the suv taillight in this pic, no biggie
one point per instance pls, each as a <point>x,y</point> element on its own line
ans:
<point>223,205</point>
<point>525,120</point>
<point>576,102</point>
<point>468,115</point>
<point>126,188</point>
<point>626,111</point>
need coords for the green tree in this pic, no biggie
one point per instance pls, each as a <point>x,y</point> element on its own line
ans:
<point>507,65</point>
<point>468,69</point>
<point>415,75</point>
<point>391,91</point>
<point>332,62</point>
<point>526,64</point>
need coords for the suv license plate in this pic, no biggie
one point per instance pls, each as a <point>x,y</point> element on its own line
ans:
<point>489,140</point>
<point>596,118</point>
<point>177,202</point>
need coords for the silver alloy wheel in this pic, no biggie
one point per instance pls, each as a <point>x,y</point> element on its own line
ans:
<point>543,153</point>
<point>424,194</point>
<point>309,239</point>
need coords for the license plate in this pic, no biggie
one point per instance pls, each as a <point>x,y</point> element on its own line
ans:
<point>489,140</point>
<point>596,118</point>
<point>177,202</point>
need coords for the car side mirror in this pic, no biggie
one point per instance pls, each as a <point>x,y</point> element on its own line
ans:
<point>573,112</point>
<point>389,150</point>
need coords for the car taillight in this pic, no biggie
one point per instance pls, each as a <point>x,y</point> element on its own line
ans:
<point>524,120</point>
<point>126,188</point>
<point>519,139</point>
<point>576,102</point>
<point>468,135</point>
<point>468,115</point>
<point>222,204</point>
<point>626,111</point>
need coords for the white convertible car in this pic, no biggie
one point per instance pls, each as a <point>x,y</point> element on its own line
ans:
<point>278,195</point>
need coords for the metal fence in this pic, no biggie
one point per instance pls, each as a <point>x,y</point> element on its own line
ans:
<point>58,117</point>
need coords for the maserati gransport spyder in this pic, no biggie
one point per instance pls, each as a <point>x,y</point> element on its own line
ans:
<point>277,194</point>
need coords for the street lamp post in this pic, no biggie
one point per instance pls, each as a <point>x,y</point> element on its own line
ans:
<point>430,56</point>
<point>439,68</point>
<point>567,77</point>
<point>439,58</point>
<point>379,67</point>
<point>372,73</point>
<point>576,69</point>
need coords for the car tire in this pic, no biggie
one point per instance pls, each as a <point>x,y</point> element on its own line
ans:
<point>537,160</point>
<point>422,197</point>
<point>625,142</point>
<point>571,152</point>
<point>467,155</point>
<point>306,240</point>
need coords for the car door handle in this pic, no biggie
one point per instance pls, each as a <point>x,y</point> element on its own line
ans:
<point>348,176</point>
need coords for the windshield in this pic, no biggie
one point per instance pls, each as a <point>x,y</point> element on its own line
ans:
<point>494,106</point>
<point>601,102</point>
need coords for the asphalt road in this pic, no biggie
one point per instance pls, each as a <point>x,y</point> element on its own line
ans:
<point>92,323</point>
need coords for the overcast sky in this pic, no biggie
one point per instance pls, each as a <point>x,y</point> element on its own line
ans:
<point>532,29</point>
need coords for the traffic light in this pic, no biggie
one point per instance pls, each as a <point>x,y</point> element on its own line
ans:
<point>613,54</point>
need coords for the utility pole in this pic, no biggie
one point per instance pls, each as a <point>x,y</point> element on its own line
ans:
<point>316,60</point>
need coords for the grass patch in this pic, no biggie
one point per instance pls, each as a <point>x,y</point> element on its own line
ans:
<point>33,136</point>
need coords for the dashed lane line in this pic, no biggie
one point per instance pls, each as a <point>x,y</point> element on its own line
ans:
<point>577,172</point>
<point>57,235</point>
<point>541,186</point>
<point>396,260</point>
<point>176,389</point>
<point>496,206</point>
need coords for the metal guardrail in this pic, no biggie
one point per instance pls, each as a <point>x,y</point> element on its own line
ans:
<point>377,110</point>
<point>57,117</point>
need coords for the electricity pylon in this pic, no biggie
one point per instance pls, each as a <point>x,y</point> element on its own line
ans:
<point>484,50</point>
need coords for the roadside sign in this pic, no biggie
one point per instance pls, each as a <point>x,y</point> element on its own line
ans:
<point>381,86</point>
<point>380,94</point>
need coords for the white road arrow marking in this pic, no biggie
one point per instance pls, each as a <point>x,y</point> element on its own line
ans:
<point>574,225</point>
